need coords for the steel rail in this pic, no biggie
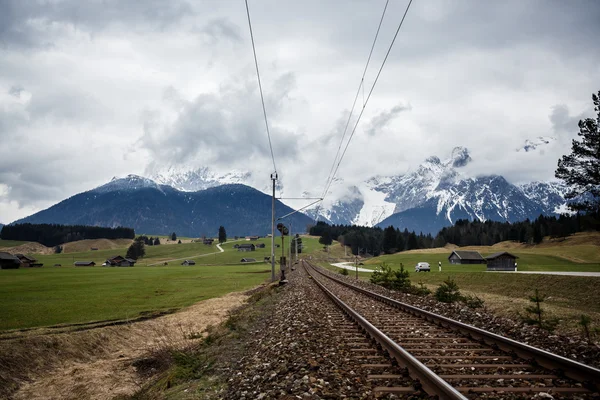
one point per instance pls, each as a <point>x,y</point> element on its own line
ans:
<point>572,369</point>
<point>430,381</point>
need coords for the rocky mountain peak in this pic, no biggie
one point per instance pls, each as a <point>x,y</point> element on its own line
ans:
<point>460,157</point>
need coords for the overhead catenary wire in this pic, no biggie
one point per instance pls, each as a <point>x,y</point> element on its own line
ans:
<point>362,80</point>
<point>262,99</point>
<point>367,100</point>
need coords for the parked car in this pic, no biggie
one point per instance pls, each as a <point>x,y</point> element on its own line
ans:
<point>422,267</point>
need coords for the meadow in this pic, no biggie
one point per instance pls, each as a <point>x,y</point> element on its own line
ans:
<point>48,296</point>
<point>507,293</point>
<point>52,295</point>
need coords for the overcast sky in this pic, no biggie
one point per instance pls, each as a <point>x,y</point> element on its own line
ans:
<point>93,89</point>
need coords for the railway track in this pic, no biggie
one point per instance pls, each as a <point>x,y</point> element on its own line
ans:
<point>447,358</point>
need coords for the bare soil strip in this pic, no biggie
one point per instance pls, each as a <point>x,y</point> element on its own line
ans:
<point>104,370</point>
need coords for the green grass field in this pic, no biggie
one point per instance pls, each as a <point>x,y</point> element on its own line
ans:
<point>507,293</point>
<point>48,296</point>
<point>526,262</point>
<point>67,294</point>
<point>10,243</point>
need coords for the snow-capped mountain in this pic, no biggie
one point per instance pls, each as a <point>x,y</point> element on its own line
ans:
<point>186,180</point>
<point>437,193</point>
<point>191,180</point>
<point>434,194</point>
<point>130,182</point>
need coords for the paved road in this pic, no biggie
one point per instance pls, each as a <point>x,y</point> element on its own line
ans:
<point>568,273</point>
<point>350,266</point>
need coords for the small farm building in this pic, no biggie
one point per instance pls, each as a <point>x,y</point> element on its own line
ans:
<point>188,262</point>
<point>502,261</point>
<point>246,247</point>
<point>466,257</point>
<point>84,263</point>
<point>8,261</point>
<point>245,260</point>
<point>208,241</point>
<point>27,261</point>
<point>119,261</point>
<point>260,245</point>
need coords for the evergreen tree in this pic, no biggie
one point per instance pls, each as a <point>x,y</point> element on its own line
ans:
<point>173,236</point>
<point>389,240</point>
<point>412,241</point>
<point>325,238</point>
<point>580,170</point>
<point>156,241</point>
<point>136,250</point>
<point>222,235</point>
<point>399,241</point>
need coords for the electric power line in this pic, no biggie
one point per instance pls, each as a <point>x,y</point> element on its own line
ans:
<point>262,99</point>
<point>362,79</point>
<point>367,100</point>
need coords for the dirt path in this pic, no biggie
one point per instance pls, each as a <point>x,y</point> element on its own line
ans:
<point>109,372</point>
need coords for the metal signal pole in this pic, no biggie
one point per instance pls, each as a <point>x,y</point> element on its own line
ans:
<point>273,178</point>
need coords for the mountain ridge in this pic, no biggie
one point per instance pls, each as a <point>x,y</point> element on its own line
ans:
<point>151,208</point>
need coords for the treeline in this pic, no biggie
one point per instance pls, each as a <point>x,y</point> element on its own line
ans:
<point>365,240</point>
<point>51,235</point>
<point>368,240</point>
<point>477,233</point>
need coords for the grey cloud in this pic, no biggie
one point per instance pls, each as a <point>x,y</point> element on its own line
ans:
<point>223,128</point>
<point>15,90</point>
<point>562,122</point>
<point>221,28</point>
<point>381,120</point>
<point>25,23</point>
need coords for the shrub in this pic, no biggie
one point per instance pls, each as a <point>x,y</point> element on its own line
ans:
<point>535,313</point>
<point>344,271</point>
<point>472,301</point>
<point>388,278</point>
<point>420,290</point>
<point>448,292</point>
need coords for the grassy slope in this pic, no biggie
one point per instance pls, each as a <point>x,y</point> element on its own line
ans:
<point>10,243</point>
<point>47,296</point>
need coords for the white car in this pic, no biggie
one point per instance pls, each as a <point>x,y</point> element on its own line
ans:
<point>422,267</point>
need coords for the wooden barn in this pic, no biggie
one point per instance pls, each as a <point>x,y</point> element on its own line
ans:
<point>84,263</point>
<point>465,257</point>
<point>502,261</point>
<point>119,261</point>
<point>246,247</point>
<point>27,261</point>
<point>8,261</point>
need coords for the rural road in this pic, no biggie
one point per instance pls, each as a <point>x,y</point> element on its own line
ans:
<point>189,258</point>
<point>568,273</point>
<point>350,266</point>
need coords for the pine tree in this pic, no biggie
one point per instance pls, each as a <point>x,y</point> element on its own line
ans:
<point>173,236</point>
<point>222,235</point>
<point>412,241</point>
<point>325,238</point>
<point>580,170</point>
<point>136,250</point>
<point>389,240</point>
